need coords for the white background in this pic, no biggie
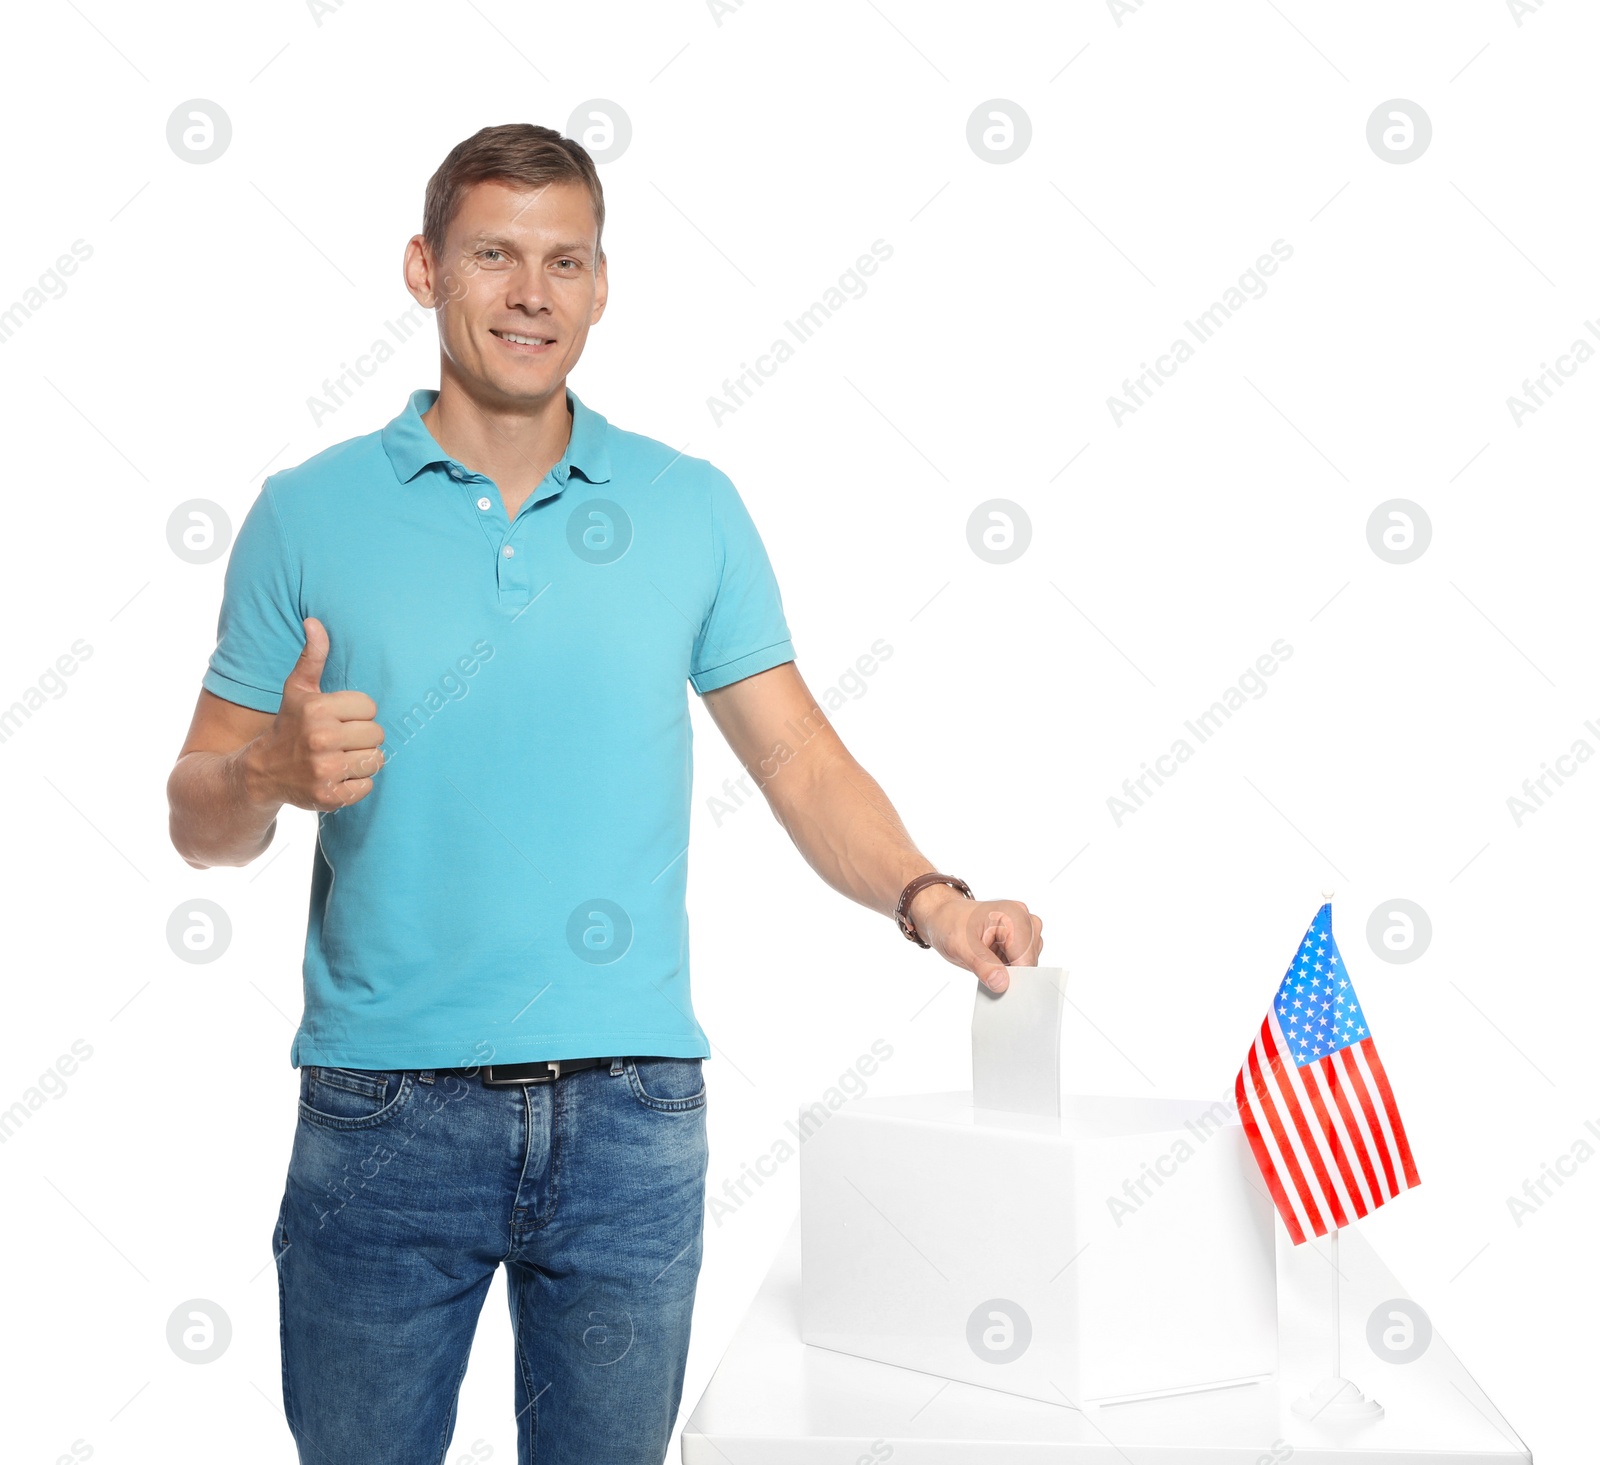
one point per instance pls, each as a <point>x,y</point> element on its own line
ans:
<point>768,152</point>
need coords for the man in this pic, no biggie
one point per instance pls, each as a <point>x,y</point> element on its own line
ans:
<point>499,1061</point>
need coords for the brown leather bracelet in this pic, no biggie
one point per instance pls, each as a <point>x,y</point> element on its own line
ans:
<point>933,877</point>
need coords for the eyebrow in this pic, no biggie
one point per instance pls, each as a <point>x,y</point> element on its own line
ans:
<point>500,241</point>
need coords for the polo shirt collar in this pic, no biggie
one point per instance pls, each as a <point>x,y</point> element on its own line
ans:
<point>411,447</point>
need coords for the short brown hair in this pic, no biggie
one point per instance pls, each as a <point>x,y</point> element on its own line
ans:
<point>515,152</point>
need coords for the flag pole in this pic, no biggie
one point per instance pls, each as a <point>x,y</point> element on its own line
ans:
<point>1336,1370</point>
<point>1327,895</point>
<point>1336,1400</point>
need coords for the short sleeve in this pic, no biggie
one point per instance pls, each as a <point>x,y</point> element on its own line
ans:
<point>744,631</point>
<point>259,635</point>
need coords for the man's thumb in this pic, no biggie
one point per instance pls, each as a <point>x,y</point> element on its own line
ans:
<point>995,978</point>
<point>306,675</point>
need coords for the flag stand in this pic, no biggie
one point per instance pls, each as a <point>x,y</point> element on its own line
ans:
<point>1336,1398</point>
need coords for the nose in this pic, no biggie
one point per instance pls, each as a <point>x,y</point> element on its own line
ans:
<point>525,288</point>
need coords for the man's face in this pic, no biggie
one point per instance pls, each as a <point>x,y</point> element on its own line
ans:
<point>518,287</point>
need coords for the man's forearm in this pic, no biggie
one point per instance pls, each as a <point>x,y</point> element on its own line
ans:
<point>216,816</point>
<point>848,831</point>
<point>843,824</point>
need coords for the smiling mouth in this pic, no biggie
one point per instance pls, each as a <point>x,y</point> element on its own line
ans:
<point>516,338</point>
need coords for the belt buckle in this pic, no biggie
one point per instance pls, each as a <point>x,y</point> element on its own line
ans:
<point>492,1081</point>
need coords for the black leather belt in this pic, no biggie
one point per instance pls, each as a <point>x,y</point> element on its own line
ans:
<point>519,1075</point>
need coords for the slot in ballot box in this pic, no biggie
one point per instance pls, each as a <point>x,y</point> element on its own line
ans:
<point>1074,1250</point>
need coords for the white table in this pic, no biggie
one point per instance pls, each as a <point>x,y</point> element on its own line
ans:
<point>776,1401</point>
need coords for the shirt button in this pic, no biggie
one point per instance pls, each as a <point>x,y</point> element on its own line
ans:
<point>455,473</point>
<point>483,503</point>
<point>508,551</point>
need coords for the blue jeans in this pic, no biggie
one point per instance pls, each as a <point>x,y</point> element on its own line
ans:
<point>407,1189</point>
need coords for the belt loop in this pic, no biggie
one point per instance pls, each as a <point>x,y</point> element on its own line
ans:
<point>425,1076</point>
<point>616,1067</point>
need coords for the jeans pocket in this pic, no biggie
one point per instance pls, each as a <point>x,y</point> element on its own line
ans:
<point>667,1085</point>
<point>352,1098</point>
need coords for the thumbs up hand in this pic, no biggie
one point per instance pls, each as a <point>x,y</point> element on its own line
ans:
<point>323,747</point>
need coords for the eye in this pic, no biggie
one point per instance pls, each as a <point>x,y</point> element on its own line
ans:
<point>574,263</point>
<point>488,252</point>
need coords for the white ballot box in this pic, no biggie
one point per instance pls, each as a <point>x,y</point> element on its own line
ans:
<point>1113,1249</point>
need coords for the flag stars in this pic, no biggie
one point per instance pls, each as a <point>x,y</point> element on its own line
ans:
<point>1315,986</point>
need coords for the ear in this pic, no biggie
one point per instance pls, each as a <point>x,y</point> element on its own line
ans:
<point>599,290</point>
<point>417,272</point>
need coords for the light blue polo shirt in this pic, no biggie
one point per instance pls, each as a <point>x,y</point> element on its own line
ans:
<point>512,889</point>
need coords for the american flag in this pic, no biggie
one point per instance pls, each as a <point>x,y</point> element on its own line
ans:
<point>1314,1100</point>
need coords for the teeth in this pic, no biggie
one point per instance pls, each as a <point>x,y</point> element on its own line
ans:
<point>523,340</point>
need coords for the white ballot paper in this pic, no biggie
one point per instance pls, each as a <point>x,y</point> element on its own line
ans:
<point>1016,1043</point>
